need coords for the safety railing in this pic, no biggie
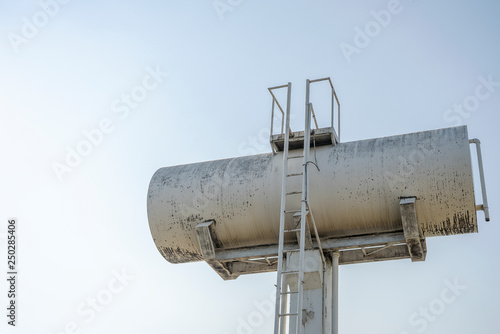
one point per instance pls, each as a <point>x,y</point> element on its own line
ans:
<point>333,110</point>
<point>276,103</point>
<point>334,100</point>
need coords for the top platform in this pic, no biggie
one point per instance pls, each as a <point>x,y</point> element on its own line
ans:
<point>319,137</point>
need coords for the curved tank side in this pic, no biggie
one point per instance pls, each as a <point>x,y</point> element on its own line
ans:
<point>356,192</point>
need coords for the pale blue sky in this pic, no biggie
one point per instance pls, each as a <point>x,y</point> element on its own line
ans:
<point>72,73</point>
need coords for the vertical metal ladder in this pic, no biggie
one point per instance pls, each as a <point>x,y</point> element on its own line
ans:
<point>282,293</point>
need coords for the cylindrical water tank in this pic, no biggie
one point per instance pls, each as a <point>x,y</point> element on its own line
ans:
<point>356,192</point>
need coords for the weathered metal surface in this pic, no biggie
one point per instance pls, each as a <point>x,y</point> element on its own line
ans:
<point>413,237</point>
<point>356,192</point>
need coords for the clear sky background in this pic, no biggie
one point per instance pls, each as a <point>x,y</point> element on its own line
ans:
<point>83,230</point>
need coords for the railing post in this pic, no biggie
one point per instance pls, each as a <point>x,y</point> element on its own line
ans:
<point>272,119</point>
<point>333,101</point>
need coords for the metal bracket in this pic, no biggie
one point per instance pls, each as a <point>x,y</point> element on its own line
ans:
<point>413,237</point>
<point>306,315</point>
<point>296,223</point>
<point>204,233</point>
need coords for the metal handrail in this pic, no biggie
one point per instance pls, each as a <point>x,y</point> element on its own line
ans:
<point>334,99</point>
<point>484,206</point>
<point>314,116</point>
<point>316,234</point>
<point>275,100</point>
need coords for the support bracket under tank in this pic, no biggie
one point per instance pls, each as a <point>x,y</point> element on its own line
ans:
<point>204,233</point>
<point>413,235</point>
<point>230,264</point>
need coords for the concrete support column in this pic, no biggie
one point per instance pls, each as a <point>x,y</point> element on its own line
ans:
<point>335,292</point>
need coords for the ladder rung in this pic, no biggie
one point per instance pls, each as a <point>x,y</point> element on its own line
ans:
<point>290,272</point>
<point>293,230</point>
<point>291,250</point>
<point>296,157</point>
<point>288,314</point>
<point>295,174</point>
<point>294,192</point>
<point>288,292</point>
<point>292,211</point>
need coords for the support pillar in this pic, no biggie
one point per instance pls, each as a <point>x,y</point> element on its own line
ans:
<point>335,292</point>
<point>321,293</point>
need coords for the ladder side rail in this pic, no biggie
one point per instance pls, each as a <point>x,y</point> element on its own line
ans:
<point>279,281</point>
<point>284,303</point>
<point>303,219</point>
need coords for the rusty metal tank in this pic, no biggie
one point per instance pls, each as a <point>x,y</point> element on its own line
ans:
<point>356,191</point>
